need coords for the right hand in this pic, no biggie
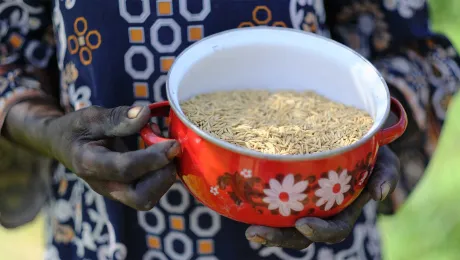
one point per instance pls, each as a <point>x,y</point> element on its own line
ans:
<point>83,141</point>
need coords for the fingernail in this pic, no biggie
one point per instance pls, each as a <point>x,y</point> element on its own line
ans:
<point>173,151</point>
<point>257,239</point>
<point>305,229</point>
<point>134,112</point>
<point>385,188</point>
<point>149,205</point>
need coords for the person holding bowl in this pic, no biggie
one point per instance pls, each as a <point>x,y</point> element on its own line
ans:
<point>109,198</point>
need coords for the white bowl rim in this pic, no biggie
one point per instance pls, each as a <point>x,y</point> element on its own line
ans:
<point>276,157</point>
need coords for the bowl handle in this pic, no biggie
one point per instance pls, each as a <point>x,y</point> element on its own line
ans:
<point>159,109</point>
<point>391,133</point>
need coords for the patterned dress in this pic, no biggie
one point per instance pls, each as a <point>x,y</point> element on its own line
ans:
<point>111,53</point>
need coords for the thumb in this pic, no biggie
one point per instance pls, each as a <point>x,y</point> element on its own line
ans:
<point>385,176</point>
<point>123,121</point>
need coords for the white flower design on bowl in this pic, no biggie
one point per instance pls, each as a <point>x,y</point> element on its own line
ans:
<point>246,173</point>
<point>332,189</point>
<point>285,196</point>
<point>214,190</point>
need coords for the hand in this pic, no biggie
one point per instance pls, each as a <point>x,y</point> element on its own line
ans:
<point>309,230</point>
<point>83,141</point>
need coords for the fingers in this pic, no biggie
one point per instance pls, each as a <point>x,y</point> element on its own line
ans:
<point>115,122</point>
<point>142,195</point>
<point>336,229</point>
<point>385,176</point>
<point>93,161</point>
<point>274,237</point>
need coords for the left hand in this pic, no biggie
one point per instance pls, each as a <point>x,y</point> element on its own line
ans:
<point>309,230</point>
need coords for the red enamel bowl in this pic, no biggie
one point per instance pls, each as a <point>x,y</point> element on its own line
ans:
<point>274,190</point>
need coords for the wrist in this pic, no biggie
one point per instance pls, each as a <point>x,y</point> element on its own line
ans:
<point>29,124</point>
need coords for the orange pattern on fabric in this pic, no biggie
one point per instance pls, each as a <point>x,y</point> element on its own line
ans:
<point>83,42</point>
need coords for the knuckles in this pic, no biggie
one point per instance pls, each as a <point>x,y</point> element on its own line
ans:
<point>123,168</point>
<point>81,165</point>
<point>91,114</point>
<point>83,120</point>
<point>115,115</point>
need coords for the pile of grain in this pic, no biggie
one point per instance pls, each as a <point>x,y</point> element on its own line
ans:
<point>285,122</point>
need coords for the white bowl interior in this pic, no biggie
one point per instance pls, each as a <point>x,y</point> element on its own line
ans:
<point>278,59</point>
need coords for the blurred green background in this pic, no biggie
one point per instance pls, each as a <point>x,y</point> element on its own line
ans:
<point>427,227</point>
